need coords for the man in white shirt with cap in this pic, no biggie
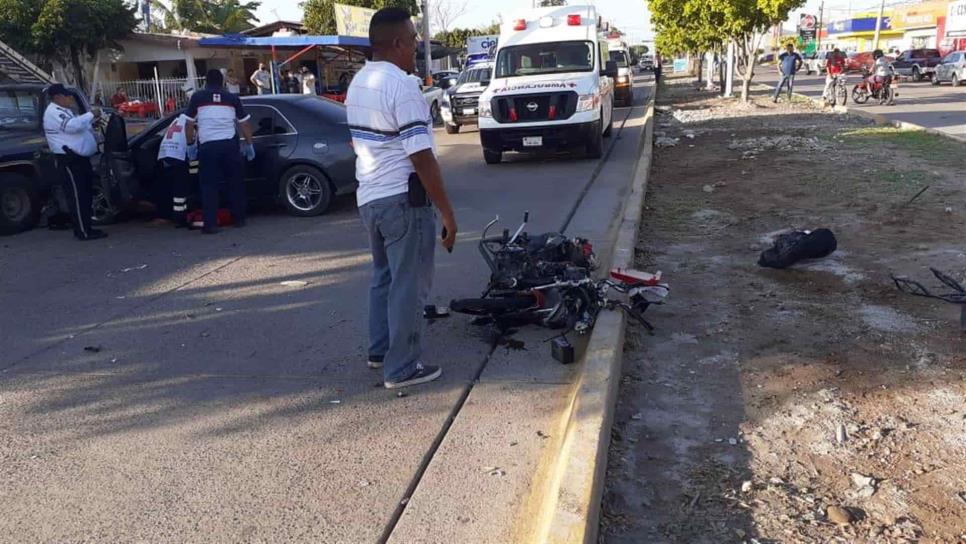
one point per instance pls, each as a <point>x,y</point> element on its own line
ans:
<point>71,140</point>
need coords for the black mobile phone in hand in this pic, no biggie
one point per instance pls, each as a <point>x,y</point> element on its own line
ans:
<point>442,236</point>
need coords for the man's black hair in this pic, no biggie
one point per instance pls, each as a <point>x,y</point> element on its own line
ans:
<point>384,24</point>
<point>214,78</point>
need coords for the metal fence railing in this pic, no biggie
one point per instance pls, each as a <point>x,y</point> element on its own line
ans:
<point>150,98</point>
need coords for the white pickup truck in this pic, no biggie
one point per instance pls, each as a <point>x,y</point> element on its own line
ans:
<point>434,98</point>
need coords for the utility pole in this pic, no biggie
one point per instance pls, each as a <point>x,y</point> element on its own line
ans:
<point>821,25</point>
<point>427,46</point>
<point>878,25</point>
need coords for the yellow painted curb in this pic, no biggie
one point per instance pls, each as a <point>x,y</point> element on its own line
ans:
<point>564,506</point>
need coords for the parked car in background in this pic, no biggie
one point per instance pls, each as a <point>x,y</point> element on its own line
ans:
<point>646,62</point>
<point>303,156</point>
<point>817,63</point>
<point>861,62</point>
<point>766,58</point>
<point>444,79</point>
<point>917,63</point>
<point>28,177</point>
<point>434,99</point>
<point>461,101</point>
<point>952,68</point>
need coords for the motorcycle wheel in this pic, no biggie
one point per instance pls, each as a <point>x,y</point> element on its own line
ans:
<point>859,95</point>
<point>886,96</point>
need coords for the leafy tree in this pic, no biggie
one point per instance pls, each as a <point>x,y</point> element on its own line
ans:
<point>458,36</point>
<point>210,16</point>
<point>65,32</point>
<point>319,15</point>
<point>693,26</point>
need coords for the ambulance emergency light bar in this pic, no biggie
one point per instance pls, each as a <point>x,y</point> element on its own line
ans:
<point>573,19</point>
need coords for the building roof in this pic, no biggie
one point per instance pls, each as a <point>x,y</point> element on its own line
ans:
<point>305,40</point>
<point>269,29</point>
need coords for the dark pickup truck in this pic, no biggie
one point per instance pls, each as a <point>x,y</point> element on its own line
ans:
<point>917,63</point>
<point>28,178</point>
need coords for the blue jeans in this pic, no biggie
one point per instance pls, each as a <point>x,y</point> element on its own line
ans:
<point>402,240</point>
<point>786,79</point>
<point>219,162</point>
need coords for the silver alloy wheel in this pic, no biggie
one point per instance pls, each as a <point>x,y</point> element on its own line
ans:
<point>304,192</point>
<point>101,207</point>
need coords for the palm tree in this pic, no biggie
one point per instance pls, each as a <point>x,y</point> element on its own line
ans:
<point>208,16</point>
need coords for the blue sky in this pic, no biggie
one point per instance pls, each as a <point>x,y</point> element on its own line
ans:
<point>631,16</point>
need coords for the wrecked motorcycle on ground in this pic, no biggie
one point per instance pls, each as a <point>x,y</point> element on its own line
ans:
<point>547,280</point>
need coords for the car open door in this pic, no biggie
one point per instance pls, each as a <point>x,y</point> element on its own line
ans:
<point>274,138</point>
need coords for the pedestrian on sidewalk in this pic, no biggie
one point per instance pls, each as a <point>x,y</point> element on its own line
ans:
<point>217,116</point>
<point>400,184</point>
<point>789,63</point>
<point>657,69</point>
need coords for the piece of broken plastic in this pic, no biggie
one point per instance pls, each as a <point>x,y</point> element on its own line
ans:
<point>635,277</point>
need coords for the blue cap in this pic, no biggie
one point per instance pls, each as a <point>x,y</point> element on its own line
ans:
<point>56,89</point>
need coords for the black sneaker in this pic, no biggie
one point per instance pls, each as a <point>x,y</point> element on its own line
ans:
<point>375,361</point>
<point>423,374</point>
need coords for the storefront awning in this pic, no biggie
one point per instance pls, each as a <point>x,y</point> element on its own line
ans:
<point>241,40</point>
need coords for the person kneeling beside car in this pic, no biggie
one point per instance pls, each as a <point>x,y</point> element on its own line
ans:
<point>171,186</point>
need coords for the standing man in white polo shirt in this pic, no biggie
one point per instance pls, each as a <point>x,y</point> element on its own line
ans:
<point>400,184</point>
<point>71,140</point>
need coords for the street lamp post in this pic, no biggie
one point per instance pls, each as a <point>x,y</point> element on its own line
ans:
<point>878,25</point>
<point>427,47</point>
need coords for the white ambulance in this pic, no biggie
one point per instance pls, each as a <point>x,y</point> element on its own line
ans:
<point>552,85</point>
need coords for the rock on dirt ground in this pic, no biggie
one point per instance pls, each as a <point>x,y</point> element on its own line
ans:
<point>812,404</point>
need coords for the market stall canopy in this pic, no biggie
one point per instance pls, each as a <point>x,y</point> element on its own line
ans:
<point>438,50</point>
<point>306,40</point>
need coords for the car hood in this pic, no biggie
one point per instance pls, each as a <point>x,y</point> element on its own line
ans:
<point>20,142</point>
<point>579,82</point>
<point>468,87</point>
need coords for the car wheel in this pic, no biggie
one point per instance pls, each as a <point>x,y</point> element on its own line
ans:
<point>304,191</point>
<point>452,129</point>
<point>595,148</point>
<point>492,157</point>
<point>18,204</point>
<point>955,80</point>
<point>434,113</point>
<point>916,74</point>
<point>104,209</point>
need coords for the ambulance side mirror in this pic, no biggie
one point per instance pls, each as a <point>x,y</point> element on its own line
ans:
<point>610,69</point>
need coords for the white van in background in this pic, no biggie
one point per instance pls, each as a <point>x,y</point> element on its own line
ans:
<point>552,85</point>
<point>623,86</point>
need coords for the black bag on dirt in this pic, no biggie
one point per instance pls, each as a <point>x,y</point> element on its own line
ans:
<point>794,246</point>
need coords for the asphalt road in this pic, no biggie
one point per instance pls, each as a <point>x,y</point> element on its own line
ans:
<point>942,108</point>
<point>161,385</point>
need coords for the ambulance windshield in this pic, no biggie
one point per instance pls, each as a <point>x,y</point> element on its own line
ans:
<point>545,58</point>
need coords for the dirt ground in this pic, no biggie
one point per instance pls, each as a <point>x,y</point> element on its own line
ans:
<point>767,396</point>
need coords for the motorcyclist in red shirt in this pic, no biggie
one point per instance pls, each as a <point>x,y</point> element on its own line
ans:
<point>834,66</point>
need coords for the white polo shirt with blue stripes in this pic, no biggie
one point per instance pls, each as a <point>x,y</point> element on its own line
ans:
<point>389,120</point>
